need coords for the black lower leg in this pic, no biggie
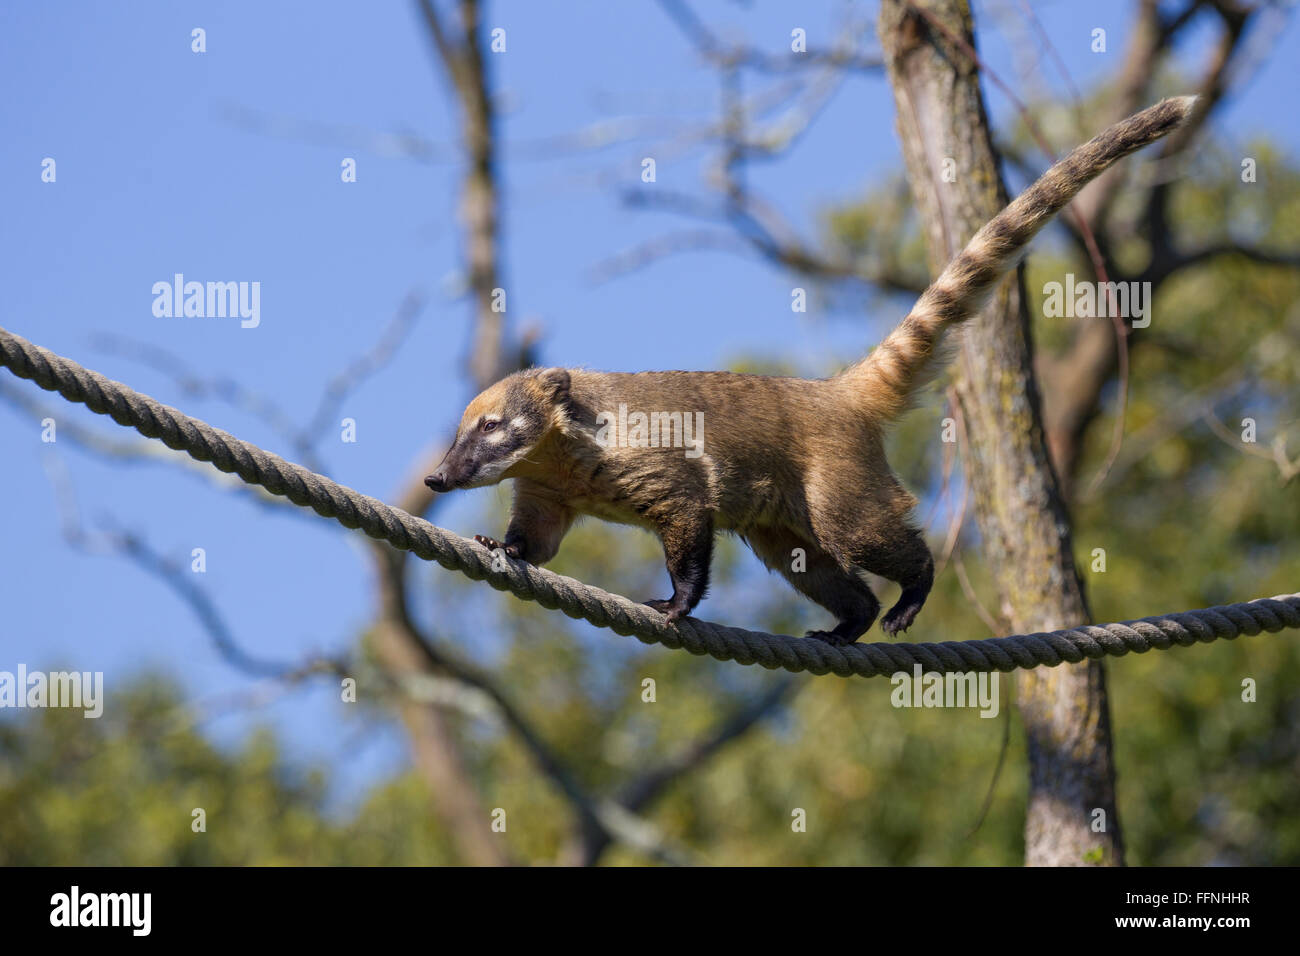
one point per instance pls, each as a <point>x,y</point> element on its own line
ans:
<point>916,588</point>
<point>688,549</point>
<point>847,630</point>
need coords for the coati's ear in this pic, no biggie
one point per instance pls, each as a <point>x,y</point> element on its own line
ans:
<point>554,383</point>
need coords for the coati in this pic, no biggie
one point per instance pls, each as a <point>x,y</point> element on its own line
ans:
<point>794,467</point>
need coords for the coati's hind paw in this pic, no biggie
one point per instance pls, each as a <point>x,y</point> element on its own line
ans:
<point>669,609</point>
<point>899,618</point>
<point>492,544</point>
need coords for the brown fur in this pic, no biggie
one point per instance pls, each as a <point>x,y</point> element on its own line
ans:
<point>795,467</point>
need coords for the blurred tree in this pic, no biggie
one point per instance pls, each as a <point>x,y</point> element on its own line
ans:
<point>120,790</point>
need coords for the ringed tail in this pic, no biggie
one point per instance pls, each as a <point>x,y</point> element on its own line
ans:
<point>910,355</point>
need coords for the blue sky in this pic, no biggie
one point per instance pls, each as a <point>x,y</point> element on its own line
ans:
<point>154,177</point>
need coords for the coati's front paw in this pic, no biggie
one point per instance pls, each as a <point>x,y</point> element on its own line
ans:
<point>492,544</point>
<point>669,609</point>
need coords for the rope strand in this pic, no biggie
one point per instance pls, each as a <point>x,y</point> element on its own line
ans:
<point>578,600</point>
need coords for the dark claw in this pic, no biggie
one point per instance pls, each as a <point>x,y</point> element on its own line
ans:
<point>895,624</point>
<point>667,608</point>
<point>492,544</point>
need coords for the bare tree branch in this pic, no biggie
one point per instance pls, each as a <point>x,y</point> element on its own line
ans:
<point>363,367</point>
<point>1276,453</point>
<point>639,793</point>
<point>462,58</point>
<point>140,451</point>
<point>173,575</point>
<point>840,57</point>
<point>756,222</point>
<point>223,388</point>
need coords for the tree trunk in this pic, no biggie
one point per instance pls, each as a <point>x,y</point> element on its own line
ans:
<point>435,747</point>
<point>1018,507</point>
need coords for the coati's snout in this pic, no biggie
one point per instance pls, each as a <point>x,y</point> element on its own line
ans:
<point>457,468</point>
<point>483,451</point>
<point>500,427</point>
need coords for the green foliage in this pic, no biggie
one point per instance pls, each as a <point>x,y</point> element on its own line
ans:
<point>121,790</point>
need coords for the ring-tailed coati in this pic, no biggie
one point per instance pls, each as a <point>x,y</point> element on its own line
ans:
<point>795,467</point>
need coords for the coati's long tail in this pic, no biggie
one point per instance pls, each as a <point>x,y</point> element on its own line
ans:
<point>910,354</point>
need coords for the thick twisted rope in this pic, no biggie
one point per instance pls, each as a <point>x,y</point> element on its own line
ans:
<point>409,533</point>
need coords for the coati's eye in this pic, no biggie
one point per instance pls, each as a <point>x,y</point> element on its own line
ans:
<point>489,425</point>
